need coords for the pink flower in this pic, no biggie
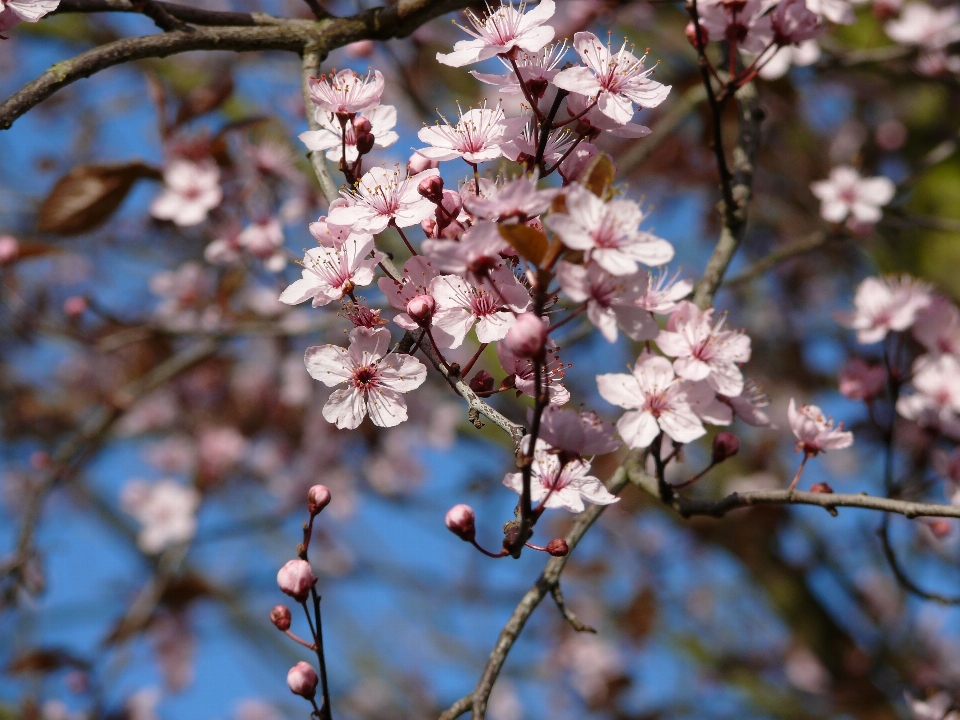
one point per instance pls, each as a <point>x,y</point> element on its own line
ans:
<point>743,24</point>
<point>611,300</point>
<point>925,26</point>
<point>882,305</point>
<point>330,137</point>
<point>9,249</point>
<point>264,240</point>
<point>527,337</point>
<point>166,509</point>
<point>577,161</point>
<point>518,200</point>
<point>375,381</point>
<point>616,80</point>
<point>191,191</point>
<point>845,194</point>
<point>860,381</point>
<point>663,293</point>
<point>596,122</point>
<point>747,405</point>
<point>382,198</point>
<point>704,351</point>
<point>330,235</point>
<point>793,23</point>
<point>836,11</point>
<point>13,12</point>
<point>657,399</point>
<point>522,146</point>
<point>460,305</point>
<point>937,400</point>
<point>564,485</point>
<point>476,137</point>
<point>346,93</point>
<point>815,433</point>
<point>418,273</point>
<point>500,31</point>
<point>330,273</point>
<point>937,326</point>
<point>296,578</point>
<point>536,69</point>
<point>302,680</point>
<point>461,521</point>
<point>608,232</point>
<point>520,373</point>
<point>579,433</point>
<point>937,707</point>
<point>477,253</point>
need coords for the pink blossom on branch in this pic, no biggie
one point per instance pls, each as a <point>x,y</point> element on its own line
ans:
<point>330,137</point>
<point>579,433</point>
<point>477,136</point>
<point>500,31</point>
<point>492,305</point>
<point>191,191</point>
<point>883,305</point>
<point>346,93</point>
<point>330,273</point>
<point>382,197</point>
<point>816,433</point>
<point>860,381</point>
<point>846,194</point>
<point>520,374</point>
<point>536,69</point>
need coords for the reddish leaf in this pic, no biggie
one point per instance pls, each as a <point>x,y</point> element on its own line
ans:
<point>204,99</point>
<point>528,241</point>
<point>599,175</point>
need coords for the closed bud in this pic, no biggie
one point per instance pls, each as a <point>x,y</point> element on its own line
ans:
<point>482,382</point>
<point>461,521</point>
<point>429,227</point>
<point>431,188</point>
<point>318,497</point>
<point>365,143</point>
<point>528,336</point>
<point>302,680</point>
<point>361,125</point>
<point>9,249</point>
<point>452,205</point>
<point>558,547</point>
<point>295,579</point>
<point>74,307</point>
<point>537,87</point>
<point>822,488</point>
<point>939,528</point>
<point>725,445</point>
<point>280,617</point>
<point>420,309</point>
<point>418,163</point>
<point>691,32</point>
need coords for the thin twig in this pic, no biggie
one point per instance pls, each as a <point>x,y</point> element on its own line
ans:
<point>568,614</point>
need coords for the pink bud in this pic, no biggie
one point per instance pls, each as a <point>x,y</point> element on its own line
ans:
<point>302,680</point>
<point>822,488</point>
<point>9,249</point>
<point>361,125</point>
<point>527,337</point>
<point>420,309</point>
<point>360,48</point>
<point>482,382</point>
<point>725,445</point>
<point>280,617</point>
<point>295,579</point>
<point>429,227</point>
<point>558,547</point>
<point>691,32</point>
<point>74,307</point>
<point>939,528</point>
<point>365,143</point>
<point>418,163</point>
<point>452,205</point>
<point>431,188</point>
<point>318,497</point>
<point>461,521</point>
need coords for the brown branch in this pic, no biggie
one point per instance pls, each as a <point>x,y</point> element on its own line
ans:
<point>804,245</point>
<point>576,623</point>
<point>310,67</point>
<point>195,16</point>
<point>901,575</point>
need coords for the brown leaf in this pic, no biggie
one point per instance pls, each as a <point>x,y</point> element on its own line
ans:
<point>641,616</point>
<point>44,660</point>
<point>599,175</point>
<point>205,98</point>
<point>529,242</point>
<point>88,195</point>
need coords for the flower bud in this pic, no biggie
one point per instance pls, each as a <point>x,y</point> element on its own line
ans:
<point>558,547</point>
<point>429,227</point>
<point>482,382</point>
<point>461,521</point>
<point>691,32</point>
<point>528,336</point>
<point>431,188</point>
<point>302,680</point>
<point>725,445</point>
<point>452,204</point>
<point>318,497</point>
<point>537,87</point>
<point>75,306</point>
<point>821,487</point>
<point>295,579</point>
<point>939,528</point>
<point>418,163</point>
<point>280,617</point>
<point>9,249</point>
<point>361,125</point>
<point>420,309</point>
<point>365,143</point>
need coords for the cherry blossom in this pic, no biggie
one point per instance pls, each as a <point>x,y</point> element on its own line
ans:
<point>536,69</point>
<point>500,31</point>
<point>166,509</point>
<point>376,380</point>
<point>382,198</point>
<point>657,401</point>
<point>13,12</point>
<point>476,137</point>
<point>882,305</point>
<point>523,147</point>
<point>330,273</point>
<point>705,351</point>
<point>346,93</point>
<point>937,326</point>
<point>264,240</point>
<point>836,11</point>
<point>937,707</point>
<point>846,194</point>
<point>814,432</point>
<point>937,400</point>
<point>330,235</point>
<point>777,65</point>
<point>860,381</point>
<point>595,121</point>
<point>793,23</point>
<point>925,26</point>
<point>579,433</point>
<point>558,484</point>
<point>415,282</point>
<point>745,25</point>
<point>747,405</point>
<point>663,293</point>
<point>608,232</point>
<point>520,374</point>
<point>519,200</point>
<point>492,306</point>
<point>191,191</point>
<point>617,81</point>
<point>612,300</point>
<point>330,136</point>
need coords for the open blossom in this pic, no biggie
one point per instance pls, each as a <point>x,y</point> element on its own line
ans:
<point>663,293</point>
<point>264,240</point>
<point>191,190</point>
<point>536,69</point>
<point>882,305</point>
<point>793,23</point>
<point>330,235</point>
<point>563,485</point>
<point>617,80</point>
<point>611,300</point>
<point>836,11</point>
<point>414,283</point>
<point>579,433</point>
<point>937,326</point>
<point>860,381</point>
<point>705,351</point>
<point>937,707</point>
<point>925,26</point>
<point>330,136</point>
<point>347,93</point>
<point>846,194</point>
<point>596,122</point>
<point>166,509</point>
<point>743,24</point>
<point>657,400</point>
<point>13,12</point>
<point>518,200</point>
<point>806,53</point>
<point>937,397</point>
<point>331,273</point>
<point>382,197</point>
<point>460,305</point>
<point>375,380</point>
<point>500,31</point>
<point>520,372</point>
<point>476,254</point>
<point>815,433</point>
<point>608,232</point>
<point>476,137</point>
<point>748,404</point>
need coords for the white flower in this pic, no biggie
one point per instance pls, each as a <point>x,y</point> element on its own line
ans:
<point>346,93</point>
<point>611,300</point>
<point>382,119</point>
<point>382,197</point>
<point>845,193</point>
<point>500,31</point>
<point>460,305</point>
<point>13,12</point>
<point>375,382</point>
<point>563,485</point>
<point>476,137</point>
<point>331,273</point>
<point>616,80</point>
<point>608,232</point>
<point>534,67</point>
<point>264,240</point>
<point>925,26</point>
<point>191,190</point>
<point>882,305</point>
<point>166,510</point>
<point>815,433</point>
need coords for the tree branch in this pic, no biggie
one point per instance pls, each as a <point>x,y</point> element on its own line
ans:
<point>195,16</point>
<point>310,67</point>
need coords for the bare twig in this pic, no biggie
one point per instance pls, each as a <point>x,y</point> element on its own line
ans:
<point>312,57</point>
<point>568,614</point>
<point>811,242</point>
<point>195,16</point>
<point>900,574</point>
